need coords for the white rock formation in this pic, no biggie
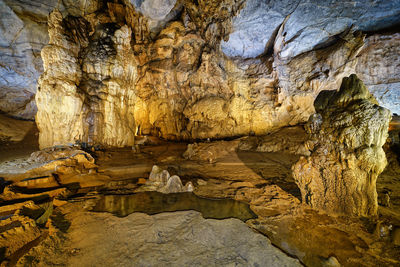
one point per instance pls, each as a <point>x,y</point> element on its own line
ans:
<point>161,181</point>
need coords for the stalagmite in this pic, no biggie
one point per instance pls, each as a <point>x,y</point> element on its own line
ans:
<point>348,132</point>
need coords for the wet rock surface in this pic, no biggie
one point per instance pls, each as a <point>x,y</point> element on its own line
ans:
<point>155,202</point>
<point>349,131</point>
<point>263,180</point>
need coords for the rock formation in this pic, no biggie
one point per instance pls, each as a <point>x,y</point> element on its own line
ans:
<point>86,85</point>
<point>13,130</point>
<point>160,180</point>
<point>23,33</point>
<point>185,70</point>
<point>307,25</point>
<point>182,238</point>
<point>378,65</point>
<point>348,131</point>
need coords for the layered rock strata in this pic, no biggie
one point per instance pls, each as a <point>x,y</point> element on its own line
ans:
<point>348,131</point>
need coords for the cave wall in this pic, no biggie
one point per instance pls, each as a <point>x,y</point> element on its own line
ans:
<point>183,69</point>
<point>23,34</point>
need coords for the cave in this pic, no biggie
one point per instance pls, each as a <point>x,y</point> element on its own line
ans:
<point>199,133</point>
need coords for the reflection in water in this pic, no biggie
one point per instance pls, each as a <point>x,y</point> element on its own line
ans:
<point>155,202</point>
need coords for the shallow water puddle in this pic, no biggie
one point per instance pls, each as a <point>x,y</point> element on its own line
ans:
<point>155,202</point>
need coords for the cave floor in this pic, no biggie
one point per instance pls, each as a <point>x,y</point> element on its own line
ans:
<point>217,170</point>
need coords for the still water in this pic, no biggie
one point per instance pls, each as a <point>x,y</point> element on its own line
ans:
<point>155,202</point>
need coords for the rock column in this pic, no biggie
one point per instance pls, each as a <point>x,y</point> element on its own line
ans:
<point>348,132</point>
<point>86,93</point>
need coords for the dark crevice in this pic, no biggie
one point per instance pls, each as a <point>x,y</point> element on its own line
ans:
<point>385,31</point>
<point>269,47</point>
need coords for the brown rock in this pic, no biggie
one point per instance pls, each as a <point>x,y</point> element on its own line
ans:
<point>13,130</point>
<point>85,87</point>
<point>340,174</point>
<point>115,76</point>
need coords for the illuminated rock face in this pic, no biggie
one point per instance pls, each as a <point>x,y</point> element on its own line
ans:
<point>348,131</point>
<point>85,93</point>
<point>185,90</point>
<point>115,70</point>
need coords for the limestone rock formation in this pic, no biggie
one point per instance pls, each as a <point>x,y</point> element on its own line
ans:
<point>210,152</point>
<point>12,129</point>
<point>23,33</point>
<point>86,85</point>
<point>157,12</point>
<point>17,231</point>
<point>292,140</point>
<point>307,24</point>
<point>378,66</point>
<point>255,27</point>
<point>349,131</point>
<point>160,67</point>
<point>315,24</point>
<point>323,69</point>
<point>160,180</point>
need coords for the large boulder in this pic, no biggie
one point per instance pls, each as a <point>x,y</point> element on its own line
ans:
<point>348,131</point>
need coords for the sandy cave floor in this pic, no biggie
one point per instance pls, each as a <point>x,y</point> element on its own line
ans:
<point>261,179</point>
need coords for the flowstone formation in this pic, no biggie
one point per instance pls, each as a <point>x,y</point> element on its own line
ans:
<point>348,132</point>
<point>172,69</point>
<point>160,180</point>
<point>85,93</point>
